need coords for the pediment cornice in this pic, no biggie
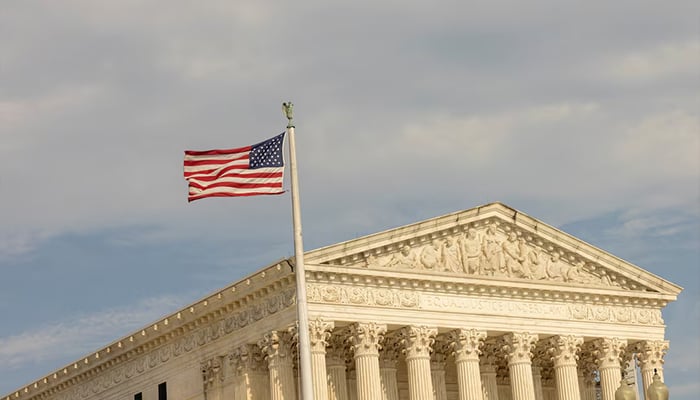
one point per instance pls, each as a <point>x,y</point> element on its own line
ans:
<point>496,242</point>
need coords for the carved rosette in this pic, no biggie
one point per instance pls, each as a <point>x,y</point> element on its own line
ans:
<point>466,344</point>
<point>246,358</point>
<point>564,350</point>
<point>212,373</point>
<point>276,346</point>
<point>609,352</point>
<point>650,354</point>
<point>417,341</point>
<point>320,334</point>
<point>366,338</point>
<point>518,346</point>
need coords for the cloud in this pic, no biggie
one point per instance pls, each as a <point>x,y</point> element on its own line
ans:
<point>57,342</point>
<point>668,61</point>
<point>17,244</point>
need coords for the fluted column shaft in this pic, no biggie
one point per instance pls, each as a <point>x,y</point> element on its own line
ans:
<point>337,382</point>
<point>352,385</point>
<point>437,375</point>
<point>390,388</point>
<point>564,352</point>
<point>518,348</point>
<point>368,377</point>
<point>250,373</point>
<point>335,364</point>
<point>387,368</point>
<point>487,368</point>
<point>319,335</point>
<point>650,355</point>
<point>466,348</point>
<point>488,377</point>
<point>276,346</point>
<point>366,339</point>
<point>609,356</point>
<point>417,343</point>
<point>438,359</point>
<point>585,385</point>
<point>537,380</point>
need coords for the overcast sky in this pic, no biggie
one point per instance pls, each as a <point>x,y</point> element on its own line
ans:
<point>581,114</point>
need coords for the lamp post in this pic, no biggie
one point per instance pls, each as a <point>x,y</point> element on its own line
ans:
<point>657,390</point>
<point>625,392</point>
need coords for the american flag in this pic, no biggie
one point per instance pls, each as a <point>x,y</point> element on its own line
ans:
<point>245,171</point>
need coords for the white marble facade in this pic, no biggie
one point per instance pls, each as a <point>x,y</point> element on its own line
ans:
<point>487,303</point>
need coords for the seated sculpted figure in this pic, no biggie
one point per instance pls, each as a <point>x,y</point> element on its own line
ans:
<point>403,259</point>
<point>430,257</point>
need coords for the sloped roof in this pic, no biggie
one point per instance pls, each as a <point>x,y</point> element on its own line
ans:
<point>594,267</point>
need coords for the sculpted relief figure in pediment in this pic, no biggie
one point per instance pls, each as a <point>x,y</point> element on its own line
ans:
<point>495,252</point>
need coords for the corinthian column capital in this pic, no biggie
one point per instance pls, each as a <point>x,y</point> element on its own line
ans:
<point>466,344</point>
<point>212,373</point>
<point>650,353</point>
<point>609,352</point>
<point>518,347</point>
<point>366,337</point>
<point>391,350</point>
<point>320,334</point>
<point>246,358</point>
<point>564,350</point>
<point>276,346</point>
<point>490,355</point>
<point>417,341</point>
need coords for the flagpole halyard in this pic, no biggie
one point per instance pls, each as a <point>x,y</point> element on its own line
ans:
<point>307,392</point>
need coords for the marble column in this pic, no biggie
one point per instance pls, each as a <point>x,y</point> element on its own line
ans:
<point>587,365</point>
<point>650,355</point>
<point>352,383</point>
<point>276,346</point>
<point>335,363</point>
<point>540,358</point>
<point>518,348</point>
<point>488,367</point>
<point>608,354</point>
<point>388,358</point>
<point>365,340</point>
<point>466,348</point>
<point>319,335</point>
<point>564,352</point>
<point>438,358</point>
<point>213,378</point>
<point>537,381</point>
<point>250,374</point>
<point>417,342</point>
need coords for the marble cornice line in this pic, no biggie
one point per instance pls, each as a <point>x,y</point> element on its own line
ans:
<point>489,288</point>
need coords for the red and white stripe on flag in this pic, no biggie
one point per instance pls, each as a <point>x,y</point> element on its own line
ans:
<point>245,171</point>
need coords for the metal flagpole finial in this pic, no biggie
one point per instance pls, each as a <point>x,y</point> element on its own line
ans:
<point>288,109</point>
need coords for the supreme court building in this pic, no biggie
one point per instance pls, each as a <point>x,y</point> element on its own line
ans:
<point>486,303</point>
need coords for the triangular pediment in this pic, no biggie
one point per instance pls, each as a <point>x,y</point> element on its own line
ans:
<point>492,242</point>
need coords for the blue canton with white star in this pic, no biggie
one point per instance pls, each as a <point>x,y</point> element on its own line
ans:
<point>268,153</point>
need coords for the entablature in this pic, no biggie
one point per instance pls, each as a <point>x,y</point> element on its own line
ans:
<point>483,287</point>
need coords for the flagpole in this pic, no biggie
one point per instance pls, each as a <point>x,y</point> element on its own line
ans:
<point>307,392</point>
